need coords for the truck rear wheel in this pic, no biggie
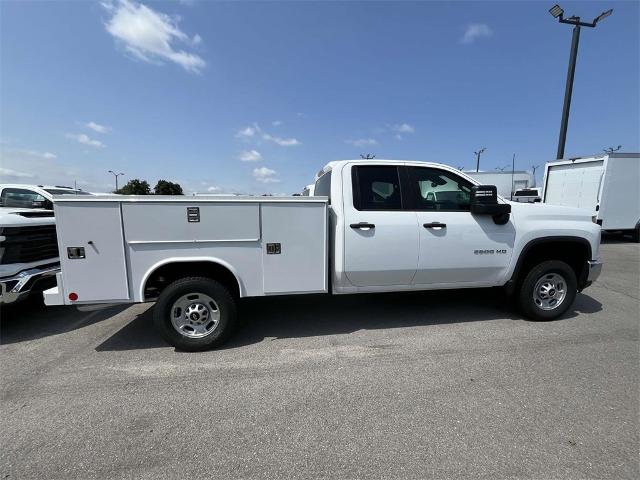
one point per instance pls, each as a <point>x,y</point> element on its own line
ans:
<point>195,314</point>
<point>548,290</point>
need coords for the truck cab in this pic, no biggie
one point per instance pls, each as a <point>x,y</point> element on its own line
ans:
<point>411,226</point>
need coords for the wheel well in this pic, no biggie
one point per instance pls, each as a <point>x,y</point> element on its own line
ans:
<point>573,251</point>
<point>164,275</point>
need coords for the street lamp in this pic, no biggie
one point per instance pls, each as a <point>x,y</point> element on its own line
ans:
<point>478,153</point>
<point>116,175</point>
<point>557,12</point>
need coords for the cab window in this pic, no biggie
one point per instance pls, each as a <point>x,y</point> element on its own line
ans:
<point>434,189</point>
<point>21,198</point>
<point>376,188</point>
<point>323,186</point>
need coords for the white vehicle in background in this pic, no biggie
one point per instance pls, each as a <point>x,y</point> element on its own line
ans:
<point>33,196</point>
<point>28,244</point>
<point>506,182</point>
<point>528,195</point>
<point>371,226</point>
<point>607,185</point>
<point>28,252</point>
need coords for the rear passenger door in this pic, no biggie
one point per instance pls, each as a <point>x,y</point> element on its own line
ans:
<point>381,237</point>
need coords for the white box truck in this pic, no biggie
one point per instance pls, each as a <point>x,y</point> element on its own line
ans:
<point>371,226</point>
<point>606,185</point>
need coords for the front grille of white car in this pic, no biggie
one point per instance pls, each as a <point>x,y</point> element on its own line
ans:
<point>28,244</point>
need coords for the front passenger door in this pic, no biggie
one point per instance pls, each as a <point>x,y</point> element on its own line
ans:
<point>456,247</point>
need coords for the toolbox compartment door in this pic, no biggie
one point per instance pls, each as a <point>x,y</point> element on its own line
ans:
<point>92,230</point>
<point>294,247</point>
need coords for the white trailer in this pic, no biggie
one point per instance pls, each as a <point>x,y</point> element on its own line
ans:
<point>606,185</point>
<point>505,182</point>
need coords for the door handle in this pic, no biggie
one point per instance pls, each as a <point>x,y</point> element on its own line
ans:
<point>435,225</point>
<point>362,225</point>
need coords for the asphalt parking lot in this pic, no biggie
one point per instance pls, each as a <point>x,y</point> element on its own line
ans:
<point>436,385</point>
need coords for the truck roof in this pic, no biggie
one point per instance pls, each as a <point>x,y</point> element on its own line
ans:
<point>334,164</point>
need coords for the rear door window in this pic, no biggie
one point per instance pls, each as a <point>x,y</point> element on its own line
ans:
<point>376,188</point>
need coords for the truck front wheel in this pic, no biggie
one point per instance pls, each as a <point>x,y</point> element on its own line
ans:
<point>548,290</point>
<point>195,314</point>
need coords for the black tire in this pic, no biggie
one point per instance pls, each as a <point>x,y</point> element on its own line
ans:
<point>226,308</point>
<point>526,301</point>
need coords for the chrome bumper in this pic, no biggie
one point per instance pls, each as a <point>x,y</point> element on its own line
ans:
<point>595,267</point>
<point>17,287</point>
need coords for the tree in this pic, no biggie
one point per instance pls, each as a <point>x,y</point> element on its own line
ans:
<point>135,187</point>
<point>164,187</point>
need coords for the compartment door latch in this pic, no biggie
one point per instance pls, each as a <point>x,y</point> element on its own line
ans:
<point>273,249</point>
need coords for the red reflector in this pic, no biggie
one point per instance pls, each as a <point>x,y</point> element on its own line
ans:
<point>73,296</point>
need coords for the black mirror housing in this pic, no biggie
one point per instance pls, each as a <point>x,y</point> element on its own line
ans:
<point>484,201</point>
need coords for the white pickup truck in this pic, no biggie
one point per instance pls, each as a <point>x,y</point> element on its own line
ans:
<point>371,226</point>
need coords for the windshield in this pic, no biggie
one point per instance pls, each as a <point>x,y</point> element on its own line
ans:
<point>54,191</point>
<point>526,193</point>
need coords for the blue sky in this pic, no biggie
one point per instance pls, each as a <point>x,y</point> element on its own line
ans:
<point>257,96</point>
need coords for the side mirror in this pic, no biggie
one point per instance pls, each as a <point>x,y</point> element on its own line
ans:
<point>484,201</point>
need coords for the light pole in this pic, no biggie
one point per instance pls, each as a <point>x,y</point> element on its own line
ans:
<point>478,153</point>
<point>116,175</point>
<point>557,12</point>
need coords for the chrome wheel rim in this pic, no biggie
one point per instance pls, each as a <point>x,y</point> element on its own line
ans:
<point>195,315</point>
<point>550,291</point>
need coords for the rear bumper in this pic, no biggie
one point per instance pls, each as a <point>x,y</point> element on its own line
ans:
<point>20,285</point>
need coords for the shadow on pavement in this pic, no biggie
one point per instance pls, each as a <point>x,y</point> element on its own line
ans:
<point>616,238</point>
<point>31,319</point>
<point>317,315</point>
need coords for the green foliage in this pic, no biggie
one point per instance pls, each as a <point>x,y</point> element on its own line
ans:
<point>164,187</point>
<point>135,187</point>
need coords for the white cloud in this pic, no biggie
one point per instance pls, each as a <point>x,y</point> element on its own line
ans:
<point>213,189</point>
<point>45,155</point>
<point>475,31</point>
<point>265,175</point>
<point>283,142</point>
<point>250,156</point>
<point>96,127</point>
<point>362,142</point>
<point>85,140</point>
<point>151,36</point>
<point>276,123</point>
<point>7,172</point>
<point>254,129</point>
<point>248,132</point>
<point>403,128</point>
